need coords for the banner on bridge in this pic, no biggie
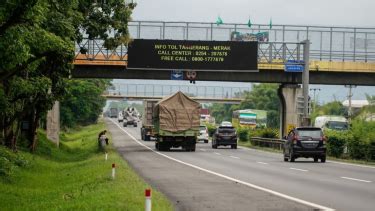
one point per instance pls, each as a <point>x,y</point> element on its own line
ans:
<point>193,55</point>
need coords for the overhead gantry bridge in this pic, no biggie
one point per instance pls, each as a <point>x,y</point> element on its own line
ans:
<point>338,55</point>
<point>203,94</point>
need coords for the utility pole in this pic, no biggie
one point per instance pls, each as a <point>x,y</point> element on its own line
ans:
<point>350,95</point>
<point>314,90</point>
<point>305,83</point>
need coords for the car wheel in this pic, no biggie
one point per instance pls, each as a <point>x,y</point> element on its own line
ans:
<point>291,156</point>
<point>205,141</point>
<point>285,158</point>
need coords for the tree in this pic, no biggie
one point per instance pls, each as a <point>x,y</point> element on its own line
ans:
<point>37,51</point>
<point>264,97</point>
<point>83,102</point>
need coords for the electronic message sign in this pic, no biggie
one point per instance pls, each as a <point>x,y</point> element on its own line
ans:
<point>229,56</point>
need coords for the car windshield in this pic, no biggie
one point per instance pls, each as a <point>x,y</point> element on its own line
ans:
<point>226,130</point>
<point>226,123</point>
<point>313,133</point>
<point>337,125</point>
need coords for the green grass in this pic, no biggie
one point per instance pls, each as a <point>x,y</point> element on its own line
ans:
<point>74,177</point>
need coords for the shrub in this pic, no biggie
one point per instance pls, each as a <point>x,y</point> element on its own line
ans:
<point>243,133</point>
<point>362,144</point>
<point>9,161</point>
<point>337,141</point>
<point>268,133</point>
<point>211,129</point>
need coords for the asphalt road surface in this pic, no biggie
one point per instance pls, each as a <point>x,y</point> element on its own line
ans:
<point>245,179</point>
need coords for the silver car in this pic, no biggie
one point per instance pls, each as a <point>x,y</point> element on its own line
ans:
<point>203,134</point>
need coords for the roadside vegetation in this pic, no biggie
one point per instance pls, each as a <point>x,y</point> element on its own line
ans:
<point>37,45</point>
<point>75,176</point>
<point>356,144</point>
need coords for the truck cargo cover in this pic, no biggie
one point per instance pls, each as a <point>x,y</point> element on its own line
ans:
<point>177,113</point>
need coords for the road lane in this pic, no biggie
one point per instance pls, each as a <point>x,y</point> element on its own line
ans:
<point>318,182</point>
<point>192,189</point>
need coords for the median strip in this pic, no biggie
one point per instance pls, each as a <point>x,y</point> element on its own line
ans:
<point>354,179</point>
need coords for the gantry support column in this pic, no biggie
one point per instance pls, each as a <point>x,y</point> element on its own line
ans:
<point>53,123</point>
<point>289,117</point>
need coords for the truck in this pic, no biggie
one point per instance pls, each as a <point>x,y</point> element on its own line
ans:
<point>130,117</point>
<point>249,118</point>
<point>147,126</point>
<point>113,112</point>
<point>331,122</point>
<point>176,121</point>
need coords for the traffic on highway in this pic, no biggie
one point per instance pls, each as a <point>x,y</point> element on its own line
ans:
<point>303,181</point>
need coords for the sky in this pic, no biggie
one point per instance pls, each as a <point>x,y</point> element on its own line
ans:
<point>359,13</point>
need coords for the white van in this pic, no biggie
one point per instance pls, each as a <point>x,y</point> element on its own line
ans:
<point>332,122</point>
<point>120,117</point>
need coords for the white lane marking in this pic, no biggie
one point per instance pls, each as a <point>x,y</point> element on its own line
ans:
<point>202,150</point>
<point>262,163</point>
<point>230,178</point>
<point>217,153</point>
<point>359,180</point>
<point>351,164</point>
<point>234,157</point>
<point>299,169</point>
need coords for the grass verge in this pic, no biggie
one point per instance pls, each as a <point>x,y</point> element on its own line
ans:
<point>74,176</point>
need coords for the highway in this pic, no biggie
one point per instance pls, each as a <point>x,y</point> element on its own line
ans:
<point>245,179</point>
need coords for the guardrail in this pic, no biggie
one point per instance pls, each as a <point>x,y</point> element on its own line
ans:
<point>267,142</point>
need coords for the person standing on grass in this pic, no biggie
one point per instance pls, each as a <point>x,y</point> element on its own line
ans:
<point>102,140</point>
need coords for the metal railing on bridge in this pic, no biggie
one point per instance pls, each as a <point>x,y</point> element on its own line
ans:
<point>283,42</point>
<point>159,90</point>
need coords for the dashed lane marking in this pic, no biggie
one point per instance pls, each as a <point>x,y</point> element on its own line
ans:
<point>299,169</point>
<point>354,179</point>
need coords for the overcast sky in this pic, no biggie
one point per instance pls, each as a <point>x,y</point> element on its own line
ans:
<point>301,12</point>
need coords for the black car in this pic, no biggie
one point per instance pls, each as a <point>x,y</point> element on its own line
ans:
<point>225,135</point>
<point>305,142</point>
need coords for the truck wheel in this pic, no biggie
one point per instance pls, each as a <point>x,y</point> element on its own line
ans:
<point>316,159</point>
<point>234,146</point>
<point>323,159</point>
<point>192,147</point>
<point>206,141</point>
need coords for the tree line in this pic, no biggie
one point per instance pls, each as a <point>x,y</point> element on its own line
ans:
<point>37,45</point>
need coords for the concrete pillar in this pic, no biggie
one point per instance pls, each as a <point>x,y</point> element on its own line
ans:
<point>289,116</point>
<point>53,123</point>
